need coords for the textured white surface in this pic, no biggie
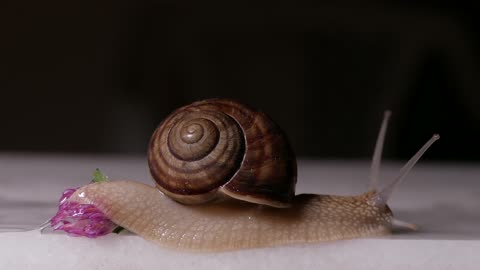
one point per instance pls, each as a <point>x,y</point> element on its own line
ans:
<point>443,199</point>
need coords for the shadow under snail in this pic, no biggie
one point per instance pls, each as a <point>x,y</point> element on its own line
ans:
<point>231,173</point>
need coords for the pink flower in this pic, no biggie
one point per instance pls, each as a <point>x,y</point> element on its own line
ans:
<point>80,219</point>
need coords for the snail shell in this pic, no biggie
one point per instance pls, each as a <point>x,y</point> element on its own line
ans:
<point>219,147</point>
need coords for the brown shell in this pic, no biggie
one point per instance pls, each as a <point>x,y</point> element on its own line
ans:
<point>221,147</point>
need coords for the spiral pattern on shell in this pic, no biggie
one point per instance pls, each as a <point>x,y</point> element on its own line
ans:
<point>217,147</point>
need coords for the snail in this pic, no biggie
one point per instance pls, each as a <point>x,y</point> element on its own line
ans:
<point>225,178</point>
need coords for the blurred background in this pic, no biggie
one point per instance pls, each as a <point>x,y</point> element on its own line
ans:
<point>98,76</point>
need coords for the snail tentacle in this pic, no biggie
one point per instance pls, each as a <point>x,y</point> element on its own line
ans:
<point>385,194</point>
<point>378,150</point>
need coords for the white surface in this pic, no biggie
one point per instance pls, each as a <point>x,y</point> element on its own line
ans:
<point>443,199</point>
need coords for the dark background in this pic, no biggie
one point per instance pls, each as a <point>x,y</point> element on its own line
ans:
<point>98,76</point>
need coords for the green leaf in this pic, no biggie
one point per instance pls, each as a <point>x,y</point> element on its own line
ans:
<point>99,177</point>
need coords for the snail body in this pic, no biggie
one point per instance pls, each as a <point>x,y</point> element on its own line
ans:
<point>236,212</point>
<point>229,225</point>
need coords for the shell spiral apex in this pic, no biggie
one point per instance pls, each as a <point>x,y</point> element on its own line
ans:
<point>219,147</point>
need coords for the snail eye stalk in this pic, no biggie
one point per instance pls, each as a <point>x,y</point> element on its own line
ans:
<point>377,153</point>
<point>385,194</point>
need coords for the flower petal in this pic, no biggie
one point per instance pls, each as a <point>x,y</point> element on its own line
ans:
<point>80,219</point>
